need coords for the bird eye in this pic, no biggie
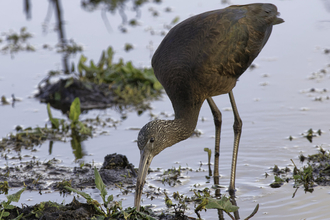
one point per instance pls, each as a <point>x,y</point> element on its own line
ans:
<point>152,140</point>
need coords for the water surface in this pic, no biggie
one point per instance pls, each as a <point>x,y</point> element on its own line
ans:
<point>273,101</point>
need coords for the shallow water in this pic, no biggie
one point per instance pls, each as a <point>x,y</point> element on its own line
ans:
<point>273,101</point>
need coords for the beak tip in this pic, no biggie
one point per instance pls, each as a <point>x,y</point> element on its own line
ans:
<point>145,161</point>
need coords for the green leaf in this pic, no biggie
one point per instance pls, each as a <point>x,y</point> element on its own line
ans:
<point>278,182</point>
<point>75,110</point>
<point>209,152</point>
<point>69,82</point>
<point>93,65</point>
<point>82,60</point>
<point>110,199</point>
<point>85,195</point>
<point>201,206</point>
<point>84,129</point>
<point>224,204</point>
<point>175,20</point>
<point>102,61</point>
<point>126,215</point>
<point>57,96</point>
<point>278,179</point>
<point>157,85</point>
<point>16,196</point>
<point>19,217</point>
<point>99,184</point>
<point>55,122</point>
<point>110,55</point>
<point>72,67</point>
<point>10,206</point>
<point>5,214</point>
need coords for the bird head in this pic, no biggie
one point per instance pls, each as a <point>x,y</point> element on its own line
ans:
<point>154,137</point>
<point>151,141</point>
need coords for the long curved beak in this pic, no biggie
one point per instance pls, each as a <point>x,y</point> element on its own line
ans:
<point>145,161</point>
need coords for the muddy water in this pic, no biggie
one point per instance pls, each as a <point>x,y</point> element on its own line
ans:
<point>273,100</point>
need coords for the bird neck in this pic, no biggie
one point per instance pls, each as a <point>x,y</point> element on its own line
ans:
<point>186,120</point>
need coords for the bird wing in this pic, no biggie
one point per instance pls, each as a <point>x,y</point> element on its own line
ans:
<point>212,49</point>
<point>225,40</point>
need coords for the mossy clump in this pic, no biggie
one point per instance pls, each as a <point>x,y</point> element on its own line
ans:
<point>131,84</point>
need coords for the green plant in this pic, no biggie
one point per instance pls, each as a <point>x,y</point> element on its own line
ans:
<point>4,187</point>
<point>209,153</point>
<point>305,178</point>
<point>101,186</point>
<point>6,204</point>
<point>56,123</point>
<point>70,47</point>
<point>171,176</point>
<point>222,204</point>
<point>77,127</point>
<point>114,209</point>
<point>89,199</point>
<point>277,183</point>
<point>131,84</point>
<point>17,42</point>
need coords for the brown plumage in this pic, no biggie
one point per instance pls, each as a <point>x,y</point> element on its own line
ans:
<point>201,57</point>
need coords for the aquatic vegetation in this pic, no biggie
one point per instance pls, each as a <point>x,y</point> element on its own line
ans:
<point>4,187</point>
<point>113,209</point>
<point>310,134</point>
<point>180,207</point>
<point>225,204</point>
<point>4,101</point>
<point>278,182</point>
<point>175,20</point>
<point>60,128</point>
<point>172,176</point>
<point>61,186</point>
<point>222,204</point>
<point>27,138</point>
<point>17,42</point>
<point>70,47</point>
<point>132,85</point>
<point>77,127</point>
<point>113,6</point>
<point>318,168</point>
<point>128,47</point>
<point>304,177</point>
<point>47,210</point>
<point>74,210</point>
<point>102,85</point>
<point>5,205</point>
<point>316,171</point>
<point>202,200</point>
<point>209,153</point>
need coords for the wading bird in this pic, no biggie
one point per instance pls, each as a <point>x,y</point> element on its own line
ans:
<point>201,57</point>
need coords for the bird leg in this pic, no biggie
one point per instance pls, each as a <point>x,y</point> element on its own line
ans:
<point>237,132</point>
<point>217,122</point>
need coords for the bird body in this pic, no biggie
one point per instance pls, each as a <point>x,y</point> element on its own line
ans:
<point>201,57</point>
<point>211,45</point>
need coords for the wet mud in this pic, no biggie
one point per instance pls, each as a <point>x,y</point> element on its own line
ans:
<point>62,93</point>
<point>36,175</point>
<point>116,171</point>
